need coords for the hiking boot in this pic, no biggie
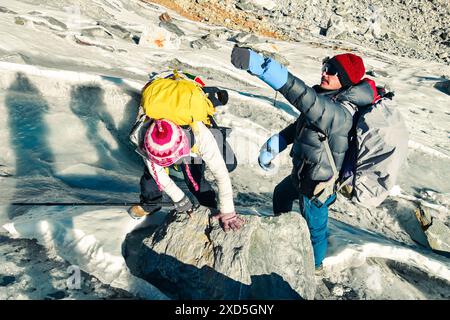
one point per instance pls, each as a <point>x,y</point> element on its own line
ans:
<point>424,217</point>
<point>319,271</point>
<point>137,212</point>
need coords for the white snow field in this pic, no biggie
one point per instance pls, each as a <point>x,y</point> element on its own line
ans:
<point>69,93</point>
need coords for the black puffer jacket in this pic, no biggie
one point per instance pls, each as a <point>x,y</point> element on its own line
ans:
<point>322,112</point>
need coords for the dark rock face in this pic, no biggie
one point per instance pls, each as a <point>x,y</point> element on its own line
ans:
<point>443,86</point>
<point>269,258</point>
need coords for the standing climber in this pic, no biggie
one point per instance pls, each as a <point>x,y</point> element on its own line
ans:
<point>319,135</point>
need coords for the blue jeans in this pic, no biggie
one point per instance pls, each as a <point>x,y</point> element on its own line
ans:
<point>314,212</point>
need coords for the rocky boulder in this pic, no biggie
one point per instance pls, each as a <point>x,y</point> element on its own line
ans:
<point>443,86</point>
<point>335,26</point>
<point>192,258</point>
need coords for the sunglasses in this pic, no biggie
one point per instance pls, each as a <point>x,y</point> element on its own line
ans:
<point>329,69</point>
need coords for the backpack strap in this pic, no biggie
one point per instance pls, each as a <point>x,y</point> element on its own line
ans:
<point>351,108</point>
<point>137,132</point>
<point>334,184</point>
<point>325,189</point>
<point>225,149</point>
<point>330,157</point>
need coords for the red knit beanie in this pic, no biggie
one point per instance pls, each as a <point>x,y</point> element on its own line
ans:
<point>350,68</point>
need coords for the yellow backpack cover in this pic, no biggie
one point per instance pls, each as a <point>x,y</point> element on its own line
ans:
<point>177,99</point>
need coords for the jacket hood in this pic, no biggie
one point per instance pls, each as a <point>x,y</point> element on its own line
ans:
<point>362,94</point>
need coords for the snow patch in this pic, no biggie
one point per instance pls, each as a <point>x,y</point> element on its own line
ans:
<point>91,240</point>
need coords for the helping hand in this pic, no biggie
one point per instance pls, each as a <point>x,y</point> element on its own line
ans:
<point>265,160</point>
<point>270,71</point>
<point>230,221</point>
<point>273,146</point>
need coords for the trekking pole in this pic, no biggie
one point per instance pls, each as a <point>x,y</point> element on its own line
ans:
<point>104,204</point>
<point>73,204</point>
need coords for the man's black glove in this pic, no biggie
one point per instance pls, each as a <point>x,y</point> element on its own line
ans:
<point>247,59</point>
<point>240,58</point>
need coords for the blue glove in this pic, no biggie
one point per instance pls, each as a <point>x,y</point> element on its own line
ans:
<point>265,160</point>
<point>270,150</point>
<point>267,69</point>
<point>275,74</point>
<point>256,62</point>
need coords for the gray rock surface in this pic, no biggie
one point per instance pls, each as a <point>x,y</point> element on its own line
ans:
<point>55,23</point>
<point>204,42</point>
<point>15,58</point>
<point>269,258</point>
<point>413,28</point>
<point>96,32</point>
<point>245,37</point>
<point>335,26</point>
<point>85,41</point>
<point>245,5</point>
<point>267,49</point>
<point>220,34</point>
<point>20,21</point>
<point>172,27</point>
<point>443,86</point>
<point>115,29</point>
<point>6,10</point>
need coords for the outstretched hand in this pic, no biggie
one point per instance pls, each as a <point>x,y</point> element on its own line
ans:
<point>230,221</point>
<point>265,160</point>
<point>267,69</point>
<point>247,59</point>
<point>240,58</point>
<point>273,146</point>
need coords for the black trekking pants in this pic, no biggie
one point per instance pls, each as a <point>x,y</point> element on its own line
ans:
<point>206,196</point>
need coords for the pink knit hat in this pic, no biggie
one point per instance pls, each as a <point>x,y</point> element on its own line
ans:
<point>165,144</point>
